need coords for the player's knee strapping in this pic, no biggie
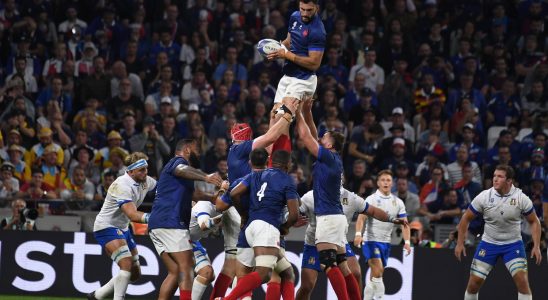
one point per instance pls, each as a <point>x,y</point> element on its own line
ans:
<point>516,265</point>
<point>121,253</point>
<point>266,261</point>
<point>480,269</point>
<point>341,257</point>
<point>282,265</point>
<point>328,258</point>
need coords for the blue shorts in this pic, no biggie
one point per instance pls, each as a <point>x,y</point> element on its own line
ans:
<point>376,250</point>
<point>106,235</point>
<point>489,253</point>
<point>311,258</point>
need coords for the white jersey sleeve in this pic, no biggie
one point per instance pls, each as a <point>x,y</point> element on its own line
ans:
<point>307,208</point>
<point>202,211</point>
<point>352,204</point>
<point>502,214</point>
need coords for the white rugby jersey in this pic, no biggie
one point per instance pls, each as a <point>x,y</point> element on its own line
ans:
<point>201,212</point>
<point>502,214</point>
<point>124,189</point>
<point>378,231</point>
<point>351,204</point>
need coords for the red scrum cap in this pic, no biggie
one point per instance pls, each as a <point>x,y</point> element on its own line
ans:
<point>241,132</point>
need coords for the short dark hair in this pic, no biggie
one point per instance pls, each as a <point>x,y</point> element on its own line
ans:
<point>184,143</point>
<point>258,157</point>
<point>281,157</point>
<point>338,139</point>
<point>37,170</point>
<point>309,1</point>
<point>510,173</point>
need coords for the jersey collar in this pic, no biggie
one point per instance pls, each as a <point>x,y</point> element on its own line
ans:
<point>378,192</point>
<point>512,190</point>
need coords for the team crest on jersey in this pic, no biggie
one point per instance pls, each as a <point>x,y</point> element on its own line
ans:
<point>305,33</point>
<point>119,232</point>
<point>311,261</point>
<point>482,253</point>
<point>294,25</point>
<point>377,251</point>
<point>345,201</point>
<point>513,201</point>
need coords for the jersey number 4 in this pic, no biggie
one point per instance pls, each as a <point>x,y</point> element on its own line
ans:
<point>260,193</point>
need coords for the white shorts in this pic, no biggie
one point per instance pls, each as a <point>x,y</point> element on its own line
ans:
<point>246,256</point>
<point>170,240</point>
<point>201,259</point>
<point>231,228</point>
<point>293,87</point>
<point>262,234</point>
<point>332,229</point>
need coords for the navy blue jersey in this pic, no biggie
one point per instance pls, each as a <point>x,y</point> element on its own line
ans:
<point>173,202</point>
<point>238,160</point>
<point>244,199</point>
<point>304,37</point>
<point>327,183</point>
<point>269,191</point>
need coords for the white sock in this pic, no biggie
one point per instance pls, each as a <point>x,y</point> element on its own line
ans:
<point>368,291</point>
<point>106,290</point>
<point>525,296</point>
<point>198,289</point>
<point>468,296</point>
<point>378,287</point>
<point>120,285</point>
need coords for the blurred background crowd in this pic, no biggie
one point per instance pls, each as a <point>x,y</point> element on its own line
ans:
<point>438,91</point>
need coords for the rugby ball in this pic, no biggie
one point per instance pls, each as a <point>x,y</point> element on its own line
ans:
<point>267,46</point>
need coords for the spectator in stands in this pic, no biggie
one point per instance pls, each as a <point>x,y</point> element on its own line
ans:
<point>374,74</point>
<point>101,190</point>
<point>214,154</point>
<point>536,140</point>
<point>504,107</point>
<point>411,200</point>
<point>356,102</point>
<point>24,126</point>
<point>334,68</point>
<point>31,86</point>
<point>97,85</point>
<point>120,72</point>
<point>427,93</point>
<point>78,188</point>
<point>167,45</point>
<point>399,121</point>
<point>466,90</point>
<point>46,139</point>
<point>431,191</point>
<point>364,145</point>
<point>398,151</point>
<point>434,128</point>
<point>9,185</point>
<point>402,172</point>
<point>16,222</point>
<point>467,187</point>
<point>456,168</point>
<point>505,140</point>
<point>201,62</point>
<point>116,158</point>
<point>538,168</point>
<point>13,97</point>
<point>504,156</point>
<point>220,126</point>
<point>397,132</point>
<point>170,135</point>
<point>61,132</point>
<point>123,103</point>
<point>445,210</point>
<point>475,152</point>
<point>83,67</point>
<point>36,188</point>
<point>166,75</point>
<point>150,142</point>
<point>231,63</point>
<point>395,94</point>
<point>155,99</point>
<point>83,158</point>
<point>102,157</point>
<point>54,173</point>
<point>21,170</point>
<point>434,158</point>
<point>72,20</point>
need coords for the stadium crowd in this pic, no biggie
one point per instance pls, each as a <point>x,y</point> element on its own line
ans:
<point>438,91</point>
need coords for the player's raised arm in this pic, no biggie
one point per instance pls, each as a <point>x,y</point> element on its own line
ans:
<point>310,143</point>
<point>279,128</point>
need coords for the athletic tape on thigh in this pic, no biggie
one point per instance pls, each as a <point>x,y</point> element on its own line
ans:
<point>282,265</point>
<point>516,265</point>
<point>120,253</point>
<point>480,269</point>
<point>267,261</point>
